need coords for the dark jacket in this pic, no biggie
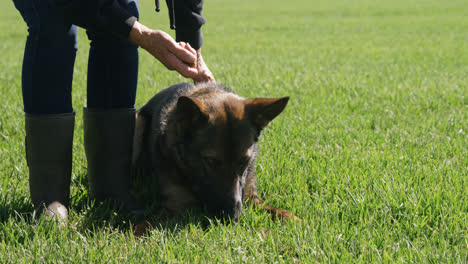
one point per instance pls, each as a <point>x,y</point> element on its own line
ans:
<point>108,15</point>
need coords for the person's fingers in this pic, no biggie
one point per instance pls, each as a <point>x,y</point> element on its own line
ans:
<point>183,54</point>
<point>181,67</point>
<point>189,48</point>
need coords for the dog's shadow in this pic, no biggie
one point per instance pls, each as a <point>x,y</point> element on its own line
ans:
<point>104,215</point>
<point>145,190</point>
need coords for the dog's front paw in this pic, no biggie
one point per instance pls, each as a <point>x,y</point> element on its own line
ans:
<point>283,214</point>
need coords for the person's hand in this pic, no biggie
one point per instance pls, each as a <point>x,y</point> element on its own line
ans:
<point>162,46</point>
<point>204,74</point>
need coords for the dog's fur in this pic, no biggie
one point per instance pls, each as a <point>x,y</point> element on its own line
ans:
<point>200,143</point>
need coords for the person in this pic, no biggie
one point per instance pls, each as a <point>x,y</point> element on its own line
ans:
<point>115,34</point>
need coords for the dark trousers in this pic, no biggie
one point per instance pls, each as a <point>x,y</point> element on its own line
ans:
<point>49,58</point>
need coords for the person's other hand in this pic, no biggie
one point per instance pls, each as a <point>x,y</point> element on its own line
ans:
<point>163,47</point>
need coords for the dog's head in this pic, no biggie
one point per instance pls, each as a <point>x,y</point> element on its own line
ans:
<point>213,142</point>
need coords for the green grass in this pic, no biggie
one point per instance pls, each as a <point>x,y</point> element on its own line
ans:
<point>372,151</point>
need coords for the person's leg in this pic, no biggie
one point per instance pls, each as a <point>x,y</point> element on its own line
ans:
<point>48,61</point>
<point>109,118</point>
<point>49,118</point>
<point>112,68</point>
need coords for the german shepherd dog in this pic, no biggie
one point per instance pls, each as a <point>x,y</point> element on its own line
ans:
<point>200,143</point>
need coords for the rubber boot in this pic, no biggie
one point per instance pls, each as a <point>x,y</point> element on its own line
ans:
<point>49,143</point>
<point>108,136</point>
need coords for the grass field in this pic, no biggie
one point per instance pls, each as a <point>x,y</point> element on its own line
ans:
<point>372,151</point>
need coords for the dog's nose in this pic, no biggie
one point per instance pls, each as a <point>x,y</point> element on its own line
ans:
<point>234,211</point>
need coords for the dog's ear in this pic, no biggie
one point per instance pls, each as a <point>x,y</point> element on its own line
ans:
<point>191,111</point>
<point>262,110</point>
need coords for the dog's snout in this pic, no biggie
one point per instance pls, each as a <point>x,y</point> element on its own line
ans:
<point>237,210</point>
<point>233,212</point>
<point>238,206</point>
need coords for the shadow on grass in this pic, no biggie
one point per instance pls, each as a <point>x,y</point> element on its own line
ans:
<point>91,217</point>
<point>94,217</point>
<point>18,209</point>
<point>105,216</point>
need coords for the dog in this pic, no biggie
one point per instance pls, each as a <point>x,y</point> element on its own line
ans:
<point>200,144</point>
